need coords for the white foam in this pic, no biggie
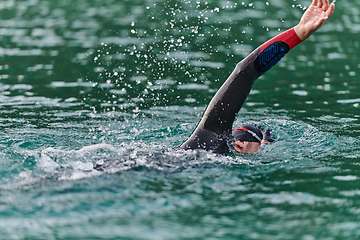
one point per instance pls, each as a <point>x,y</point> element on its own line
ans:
<point>47,164</point>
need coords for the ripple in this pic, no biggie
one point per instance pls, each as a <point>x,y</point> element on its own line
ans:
<point>300,92</point>
<point>337,56</point>
<point>215,65</point>
<point>19,52</point>
<point>346,178</point>
<point>357,100</point>
<point>60,84</point>
<point>193,86</point>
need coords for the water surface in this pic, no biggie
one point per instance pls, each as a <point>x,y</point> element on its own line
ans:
<point>96,95</point>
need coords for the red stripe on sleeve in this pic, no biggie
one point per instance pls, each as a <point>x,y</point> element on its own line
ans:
<point>288,37</point>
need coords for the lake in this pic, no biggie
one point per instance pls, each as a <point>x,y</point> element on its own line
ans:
<point>95,96</point>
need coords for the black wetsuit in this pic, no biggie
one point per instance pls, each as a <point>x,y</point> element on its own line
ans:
<point>213,132</point>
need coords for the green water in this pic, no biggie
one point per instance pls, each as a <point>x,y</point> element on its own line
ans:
<point>119,84</point>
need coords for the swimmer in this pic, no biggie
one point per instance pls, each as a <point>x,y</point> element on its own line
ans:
<point>213,132</point>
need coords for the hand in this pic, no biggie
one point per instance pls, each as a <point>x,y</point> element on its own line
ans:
<point>314,18</point>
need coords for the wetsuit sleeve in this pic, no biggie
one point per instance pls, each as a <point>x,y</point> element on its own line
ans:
<point>220,114</point>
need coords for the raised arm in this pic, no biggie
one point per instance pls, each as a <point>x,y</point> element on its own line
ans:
<point>220,114</point>
<point>235,90</point>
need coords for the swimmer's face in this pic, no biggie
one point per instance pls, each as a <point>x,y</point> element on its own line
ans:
<point>246,147</point>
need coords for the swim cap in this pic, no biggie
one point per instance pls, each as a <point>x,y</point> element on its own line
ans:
<point>252,133</point>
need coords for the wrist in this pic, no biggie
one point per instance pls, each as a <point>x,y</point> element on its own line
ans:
<point>301,32</point>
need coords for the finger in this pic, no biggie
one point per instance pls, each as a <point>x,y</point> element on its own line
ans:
<point>320,3</point>
<point>325,6</point>
<point>330,10</point>
<point>314,3</point>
